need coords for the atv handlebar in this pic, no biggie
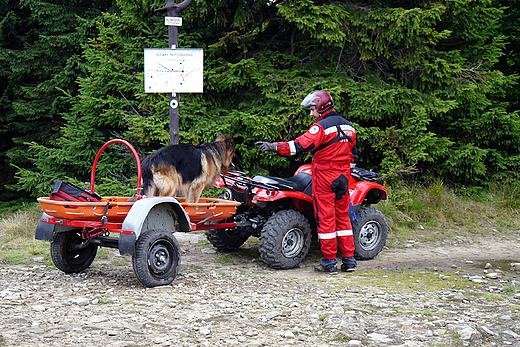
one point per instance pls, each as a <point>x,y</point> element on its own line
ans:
<point>241,179</point>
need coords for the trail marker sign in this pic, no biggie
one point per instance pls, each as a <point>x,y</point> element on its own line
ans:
<point>173,70</point>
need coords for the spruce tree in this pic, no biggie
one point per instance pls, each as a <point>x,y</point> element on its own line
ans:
<point>419,80</point>
<point>40,60</point>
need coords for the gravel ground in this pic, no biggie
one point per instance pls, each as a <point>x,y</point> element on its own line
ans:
<point>235,300</point>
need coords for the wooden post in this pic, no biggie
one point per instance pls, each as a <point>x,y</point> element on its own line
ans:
<point>173,10</point>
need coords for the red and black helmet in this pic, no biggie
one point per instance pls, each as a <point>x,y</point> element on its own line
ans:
<point>321,99</point>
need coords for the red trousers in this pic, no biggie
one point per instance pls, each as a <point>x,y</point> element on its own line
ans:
<point>331,205</point>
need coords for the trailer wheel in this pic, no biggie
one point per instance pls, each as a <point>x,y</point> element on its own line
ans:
<point>370,232</point>
<point>157,258</point>
<point>227,239</point>
<point>70,253</point>
<point>285,239</point>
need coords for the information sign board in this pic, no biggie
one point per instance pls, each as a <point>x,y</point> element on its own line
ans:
<point>173,70</point>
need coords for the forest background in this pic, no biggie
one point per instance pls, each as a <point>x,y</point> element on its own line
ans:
<point>431,86</point>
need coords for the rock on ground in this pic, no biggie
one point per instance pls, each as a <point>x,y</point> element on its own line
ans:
<point>243,303</point>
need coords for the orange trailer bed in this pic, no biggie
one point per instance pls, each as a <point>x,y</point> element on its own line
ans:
<point>207,209</point>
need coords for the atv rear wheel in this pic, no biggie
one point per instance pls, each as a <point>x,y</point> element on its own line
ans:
<point>227,239</point>
<point>285,239</point>
<point>71,253</point>
<point>370,232</point>
<point>157,258</point>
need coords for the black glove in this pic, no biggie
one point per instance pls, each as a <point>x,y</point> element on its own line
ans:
<point>265,146</point>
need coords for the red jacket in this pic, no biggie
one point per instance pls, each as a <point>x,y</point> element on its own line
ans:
<point>331,139</point>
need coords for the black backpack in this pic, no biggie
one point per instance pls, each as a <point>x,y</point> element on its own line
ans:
<point>65,191</point>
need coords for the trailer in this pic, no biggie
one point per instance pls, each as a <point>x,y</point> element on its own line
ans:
<point>139,226</point>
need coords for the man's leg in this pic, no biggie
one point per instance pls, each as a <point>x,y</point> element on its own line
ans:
<point>324,210</point>
<point>344,227</point>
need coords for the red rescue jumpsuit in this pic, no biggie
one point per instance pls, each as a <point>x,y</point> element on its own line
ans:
<point>332,140</point>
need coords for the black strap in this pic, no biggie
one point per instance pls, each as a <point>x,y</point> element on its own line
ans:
<point>341,136</point>
<point>104,217</point>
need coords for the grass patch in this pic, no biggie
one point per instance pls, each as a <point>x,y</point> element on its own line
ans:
<point>407,281</point>
<point>7,208</point>
<point>17,227</point>
<point>247,253</point>
<point>322,318</point>
<point>510,289</point>
<point>13,257</point>
<point>105,301</point>
<point>103,253</point>
<point>119,262</point>
<point>231,258</point>
<point>17,236</point>
<point>423,313</point>
<point>493,297</point>
<point>436,211</point>
<point>340,338</point>
<point>133,302</point>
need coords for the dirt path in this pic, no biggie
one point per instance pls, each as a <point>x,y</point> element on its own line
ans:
<point>235,300</point>
<point>472,256</point>
<point>469,255</point>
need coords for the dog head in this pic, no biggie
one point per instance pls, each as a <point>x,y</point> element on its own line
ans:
<point>229,155</point>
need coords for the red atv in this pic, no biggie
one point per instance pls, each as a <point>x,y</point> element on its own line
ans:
<point>279,212</point>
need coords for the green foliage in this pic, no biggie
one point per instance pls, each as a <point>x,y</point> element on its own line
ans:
<point>418,80</point>
<point>40,59</point>
<point>433,210</point>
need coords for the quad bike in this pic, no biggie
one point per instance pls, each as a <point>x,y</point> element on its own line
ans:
<point>280,213</point>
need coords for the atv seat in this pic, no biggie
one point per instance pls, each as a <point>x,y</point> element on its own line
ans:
<point>366,175</point>
<point>300,182</point>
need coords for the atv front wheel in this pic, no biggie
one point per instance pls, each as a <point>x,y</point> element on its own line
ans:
<point>370,232</point>
<point>71,253</point>
<point>157,258</point>
<point>285,239</point>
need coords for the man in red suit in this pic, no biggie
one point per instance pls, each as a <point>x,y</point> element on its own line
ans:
<point>332,141</point>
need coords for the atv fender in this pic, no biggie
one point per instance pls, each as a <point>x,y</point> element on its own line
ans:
<point>160,213</point>
<point>371,191</point>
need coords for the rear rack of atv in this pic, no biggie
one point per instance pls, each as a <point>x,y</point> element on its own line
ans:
<point>242,182</point>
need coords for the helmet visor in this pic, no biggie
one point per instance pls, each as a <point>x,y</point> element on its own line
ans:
<point>309,101</point>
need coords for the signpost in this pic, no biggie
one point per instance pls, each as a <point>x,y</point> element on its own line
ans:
<point>177,70</point>
<point>172,67</point>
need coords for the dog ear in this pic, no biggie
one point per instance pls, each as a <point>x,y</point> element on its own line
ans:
<point>220,138</point>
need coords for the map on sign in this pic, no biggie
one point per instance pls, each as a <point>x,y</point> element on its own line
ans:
<point>173,70</point>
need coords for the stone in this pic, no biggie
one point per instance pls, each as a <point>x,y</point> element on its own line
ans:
<point>247,304</point>
<point>81,301</point>
<point>338,310</point>
<point>205,331</point>
<point>457,296</point>
<point>288,334</point>
<point>272,314</point>
<point>379,338</point>
<point>439,323</point>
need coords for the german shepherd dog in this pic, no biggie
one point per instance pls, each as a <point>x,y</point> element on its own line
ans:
<point>187,168</point>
